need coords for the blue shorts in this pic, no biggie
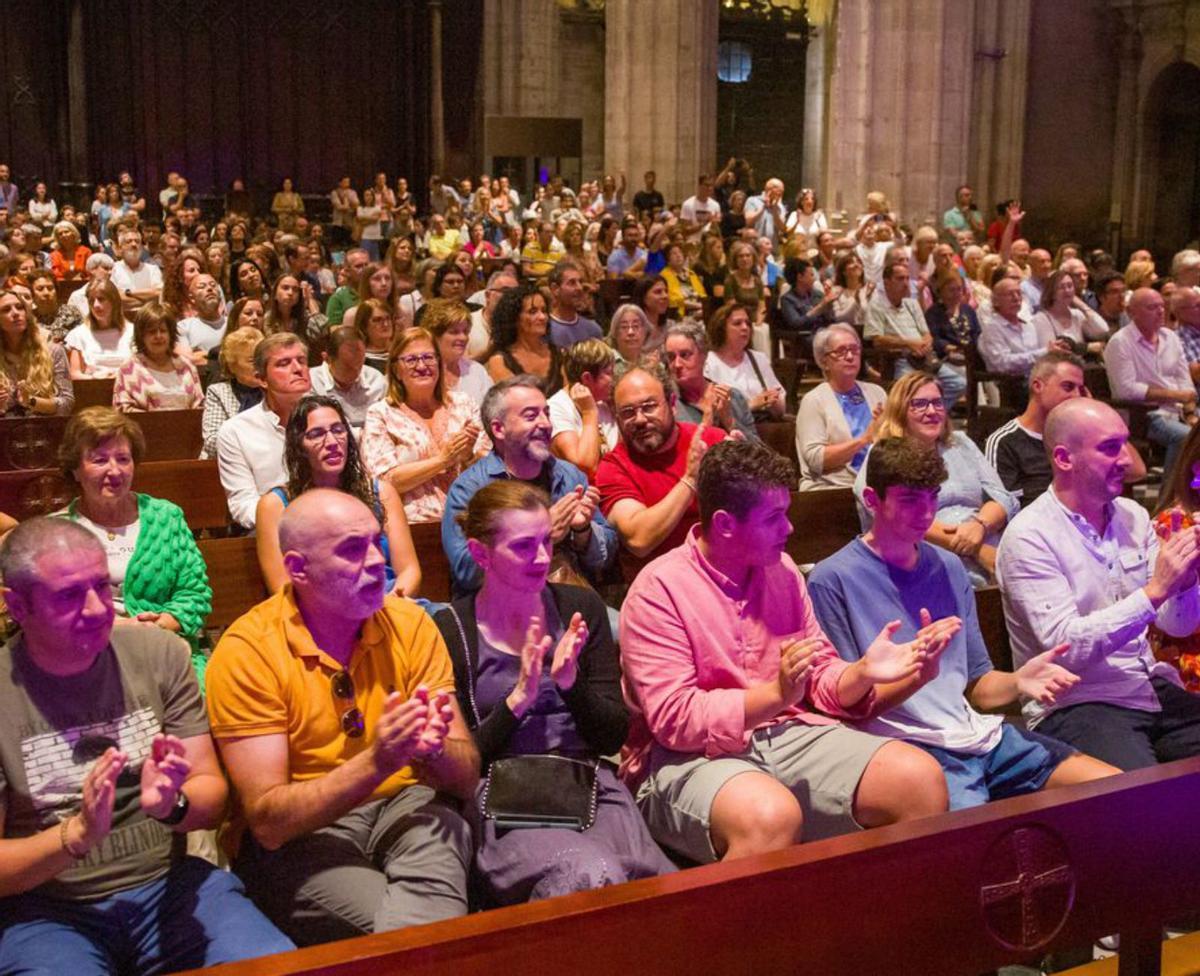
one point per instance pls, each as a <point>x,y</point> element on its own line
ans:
<point>1021,763</point>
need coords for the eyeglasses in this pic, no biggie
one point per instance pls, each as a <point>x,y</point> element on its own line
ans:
<point>844,352</point>
<point>647,407</point>
<point>421,359</point>
<point>318,434</point>
<point>352,721</point>
<point>921,404</point>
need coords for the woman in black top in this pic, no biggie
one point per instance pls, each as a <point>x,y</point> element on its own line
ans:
<point>537,676</point>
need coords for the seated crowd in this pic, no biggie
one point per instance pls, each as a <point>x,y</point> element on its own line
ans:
<point>631,674</point>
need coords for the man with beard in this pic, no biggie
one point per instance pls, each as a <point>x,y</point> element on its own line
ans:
<point>335,715</point>
<point>517,419</point>
<point>648,482</point>
<point>204,330</point>
<point>137,282</point>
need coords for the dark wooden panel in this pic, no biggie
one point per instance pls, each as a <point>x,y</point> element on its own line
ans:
<point>780,436</point>
<point>233,573</point>
<point>822,522</point>
<point>960,893</point>
<point>435,567</point>
<point>33,442</point>
<point>93,393</point>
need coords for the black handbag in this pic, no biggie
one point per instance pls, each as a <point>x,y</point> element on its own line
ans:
<point>523,792</point>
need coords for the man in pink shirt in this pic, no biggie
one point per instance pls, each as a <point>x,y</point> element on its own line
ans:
<point>732,684</point>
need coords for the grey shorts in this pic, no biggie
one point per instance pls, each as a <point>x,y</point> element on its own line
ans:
<point>820,764</point>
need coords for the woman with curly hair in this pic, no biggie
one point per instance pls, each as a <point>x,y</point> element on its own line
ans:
<point>320,451</point>
<point>520,326</point>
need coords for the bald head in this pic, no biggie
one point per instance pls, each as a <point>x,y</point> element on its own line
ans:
<point>1146,309</point>
<point>314,517</point>
<point>1070,419</point>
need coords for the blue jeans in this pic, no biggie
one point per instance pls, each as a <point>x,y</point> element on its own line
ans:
<point>952,382</point>
<point>1170,433</point>
<point>1021,763</point>
<point>197,915</point>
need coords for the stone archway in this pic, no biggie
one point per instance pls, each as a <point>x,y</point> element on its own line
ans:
<point>1171,159</point>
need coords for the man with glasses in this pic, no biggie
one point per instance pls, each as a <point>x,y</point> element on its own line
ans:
<point>648,482</point>
<point>517,419</point>
<point>334,711</point>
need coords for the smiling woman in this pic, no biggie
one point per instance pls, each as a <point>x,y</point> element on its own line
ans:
<point>157,574</point>
<point>153,378</point>
<point>321,452</point>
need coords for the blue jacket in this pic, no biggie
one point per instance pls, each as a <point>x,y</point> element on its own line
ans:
<point>564,477</point>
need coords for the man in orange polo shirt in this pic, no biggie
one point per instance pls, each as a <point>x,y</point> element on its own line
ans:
<point>334,712</point>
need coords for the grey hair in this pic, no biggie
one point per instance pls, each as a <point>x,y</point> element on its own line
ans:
<point>32,538</point>
<point>493,401</point>
<point>619,314</point>
<point>98,260</point>
<point>1187,258</point>
<point>691,330</point>
<point>824,337</point>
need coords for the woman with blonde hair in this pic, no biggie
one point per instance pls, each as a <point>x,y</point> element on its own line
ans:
<point>973,504</point>
<point>239,390</point>
<point>422,435</point>
<point>68,257</point>
<point>98,346</point>
<point>34,376</point>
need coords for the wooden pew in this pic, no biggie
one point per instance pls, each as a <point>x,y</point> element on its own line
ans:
<point>990,609</point>
<point>780,436</point>
<point>237,583</point>
<point>33,442</point>
<point>192,485</point>
<point>822,522</point>
<point>956,894</point>
<point>93,393</point>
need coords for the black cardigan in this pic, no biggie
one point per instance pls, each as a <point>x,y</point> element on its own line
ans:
<point>594,700</point>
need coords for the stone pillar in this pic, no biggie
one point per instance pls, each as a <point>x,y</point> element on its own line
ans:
<point>900,105</point>
<point>437,120</point>
<point>998,103</point>
<point>661,91</point>
<point>1125,218</point>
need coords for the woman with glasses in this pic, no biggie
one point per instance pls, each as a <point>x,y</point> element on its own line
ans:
<point>422,435</point>
<point>973,504</point>
<point>321,452</point>
<point>628,332</point>
<point>539,682</point>
<point>837,421</point>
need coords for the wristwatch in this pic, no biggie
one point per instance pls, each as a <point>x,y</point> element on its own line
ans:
<point>178,811</point>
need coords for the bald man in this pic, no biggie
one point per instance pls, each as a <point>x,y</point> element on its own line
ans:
<point>1146,362</point>
<point>334,711</point>
<point>1185,306</point>
<point>1081,565</point>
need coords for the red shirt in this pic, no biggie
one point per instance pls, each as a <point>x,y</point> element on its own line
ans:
<point>647,478</point>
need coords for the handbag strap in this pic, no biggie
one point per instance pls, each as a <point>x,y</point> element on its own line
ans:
<point>462,635</point>
<point>757,371</point>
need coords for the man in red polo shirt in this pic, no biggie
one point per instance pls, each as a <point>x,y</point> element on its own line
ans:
<point>648,482</point>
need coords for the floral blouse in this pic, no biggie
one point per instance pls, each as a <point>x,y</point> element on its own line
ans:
<point>394,435</point>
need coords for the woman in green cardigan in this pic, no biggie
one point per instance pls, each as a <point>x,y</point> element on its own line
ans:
<point>157,574</point>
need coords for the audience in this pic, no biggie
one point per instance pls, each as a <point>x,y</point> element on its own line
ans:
<point>449,322</point>
<point>154,378</point>
<point>156,574</point>
<point>421,435</point>
<point>238,390</point>
<point>204,330</point>
<point>250,444</point>
<point>1145,362</point>
<point>567,298</point>
<point>838,420</point>
<point>1063,314</point>
<point>334,712</point>
<point>732,362</point>
<point>1008,342</point>
<point>891,579</point>
<point>541,713</point>
<point>103,341</point>
<point>686,293</point>
<point>321,452</point>
<point>734,749</point>
<point>55,318</point>
<point>699,400</point>
<point>1126,709</point>
<point>582,426</point>
<point>973,504</point>
<point>520,344</point>
<point>94,870</point>
<point>344,376</point>
<point>35,378</point>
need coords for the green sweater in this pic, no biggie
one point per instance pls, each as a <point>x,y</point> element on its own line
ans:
<point>343,299</point>
<point>166,573</point>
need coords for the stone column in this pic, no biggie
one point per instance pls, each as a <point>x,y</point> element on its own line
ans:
<point>437,121</point>
<point>661,91</point>
<point>1126,219</point>
<point>77,135</point>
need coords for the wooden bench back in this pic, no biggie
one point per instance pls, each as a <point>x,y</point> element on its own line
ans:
<point>32,442</point>
<point>964,892</point>
<point>93,393</point>
<point>192,485</point>
<point>823,521</point>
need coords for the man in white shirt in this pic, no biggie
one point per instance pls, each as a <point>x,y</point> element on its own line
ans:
<point>1008,342</point>
<point>895,321</point>
<point>343,377</point>
<point>1146,362</point>
<point>250,444</point>
<point>700,210</point>
<point>1084,567</point>
<point>204,330</point>
<point>138,282</point>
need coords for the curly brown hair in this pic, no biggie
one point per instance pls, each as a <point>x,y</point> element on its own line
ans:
<point>901,461</point>
<point>734,474</point>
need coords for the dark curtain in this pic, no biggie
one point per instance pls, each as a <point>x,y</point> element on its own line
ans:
<point>218,89</point>
<point>33,91</point>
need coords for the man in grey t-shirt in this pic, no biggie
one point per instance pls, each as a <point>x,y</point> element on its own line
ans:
<point>105,765</point>
<point>567,326</point>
